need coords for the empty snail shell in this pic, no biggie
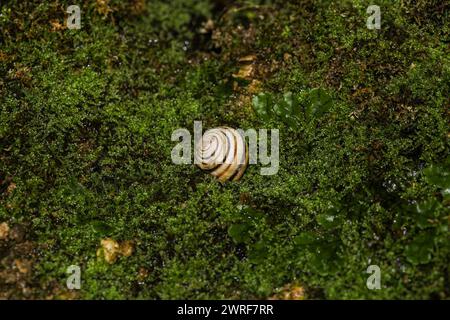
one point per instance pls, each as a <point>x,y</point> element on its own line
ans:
<point>222,152</point>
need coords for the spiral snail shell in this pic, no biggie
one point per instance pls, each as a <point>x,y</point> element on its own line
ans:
<point>222,152</point>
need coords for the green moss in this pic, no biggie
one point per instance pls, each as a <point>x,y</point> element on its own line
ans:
<point>86,119</point>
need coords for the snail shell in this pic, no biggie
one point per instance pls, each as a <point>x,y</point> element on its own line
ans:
<point>222,152</point>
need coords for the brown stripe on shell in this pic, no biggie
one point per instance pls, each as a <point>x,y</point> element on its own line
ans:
<point>234,169</point>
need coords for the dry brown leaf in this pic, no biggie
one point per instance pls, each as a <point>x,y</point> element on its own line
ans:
<point>24,266</point>
<point>103,7</point>
<point>248,58</point>
<point>254,87</point>
<point>245,72</point>
<point>110,249</point>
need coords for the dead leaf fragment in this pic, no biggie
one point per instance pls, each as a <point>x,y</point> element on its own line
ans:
<point>4,230</point>
<point>3,56</point>
<point>143,273</point>
<point>110,249</point>
<point>138,7</point>
<point>20,72</point>
<point>287,57</point>
<point>290,292</point>
<point>126,248</point>
<point>254,87</point>
<point>24,266</point>
<point>245,72</point>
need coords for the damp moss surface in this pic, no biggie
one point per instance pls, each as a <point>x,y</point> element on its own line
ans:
<point>87,180</point>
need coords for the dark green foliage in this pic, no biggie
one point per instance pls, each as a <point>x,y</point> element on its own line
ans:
<point>86,118</point>
<point>294,110</point>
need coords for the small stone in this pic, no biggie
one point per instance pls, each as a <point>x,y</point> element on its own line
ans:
<point>17,233</point>
<point>111,250</point>
<point>290,292</point>
<point>254,87</point>
<point>245,72</point>
<point>143,274</point>
<point>296,293</point>
<point>56,25</point>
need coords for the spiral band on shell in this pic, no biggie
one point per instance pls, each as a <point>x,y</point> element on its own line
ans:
<point>222,152</point>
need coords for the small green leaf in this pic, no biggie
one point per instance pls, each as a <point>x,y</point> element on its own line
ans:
<point>262,103</point>
<point>326,260</point>
<point>328,220</point>
<point>319,103</point>
<point>424,212</point>
<point>252,213</point>
<point>258,252</point>
<point>439,175</point>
